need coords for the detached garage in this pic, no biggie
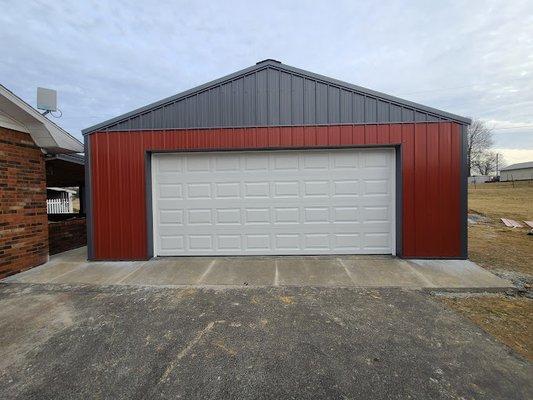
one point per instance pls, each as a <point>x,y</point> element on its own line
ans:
<point>274,160</point>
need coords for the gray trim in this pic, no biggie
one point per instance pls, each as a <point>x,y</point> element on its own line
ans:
<point>132,130</point>
<point>240,149</point>
<point>88,199</point>
<point>277,95</point>
<point>398,175</point>
<point>73,158</point>
<point>149,210</point>
<point>399,201</point>
<point>464,193</point>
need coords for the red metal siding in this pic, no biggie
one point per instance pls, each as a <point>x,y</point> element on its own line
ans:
<point>431,170</point>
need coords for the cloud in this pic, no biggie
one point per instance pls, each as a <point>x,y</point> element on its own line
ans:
<point>513,156</point>
<point>105,58</point>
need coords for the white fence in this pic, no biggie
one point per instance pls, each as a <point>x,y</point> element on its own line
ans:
<point>58,206</point>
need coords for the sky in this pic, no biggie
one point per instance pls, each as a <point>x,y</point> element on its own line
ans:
<point>472,58</point>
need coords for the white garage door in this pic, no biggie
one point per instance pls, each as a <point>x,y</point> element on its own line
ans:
<point>274,202</point>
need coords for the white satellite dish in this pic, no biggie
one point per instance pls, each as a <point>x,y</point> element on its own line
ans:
<point>46,100</point>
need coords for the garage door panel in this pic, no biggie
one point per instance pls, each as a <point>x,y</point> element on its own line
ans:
<point>379,241</point>
<point>257,242</point>
<point>256,190</point>
<point>229,242</point>
<point>286,202</point>
<point>172,243</point>
<point>169,163</point>
<point>173,217</point>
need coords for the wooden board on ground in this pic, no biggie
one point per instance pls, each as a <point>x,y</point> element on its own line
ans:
<point>511,223</point>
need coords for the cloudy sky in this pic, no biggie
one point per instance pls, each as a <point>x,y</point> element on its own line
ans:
<point>473,58</point>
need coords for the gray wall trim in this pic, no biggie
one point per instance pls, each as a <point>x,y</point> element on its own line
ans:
<point>88,199</point>
<point>267,126</point>
<point>398,184</point>
<point>274,94</point>
<point>149,210</point>
<point>464,193</point>
<point>399,202</point>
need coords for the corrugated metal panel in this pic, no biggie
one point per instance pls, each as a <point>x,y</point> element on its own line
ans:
<point>274,94</point>
<point>285,99</point>
<point>431,178</point>
<point>262,98</point>
<point>297,101</point>
<point>272,97</point>
<point>346,105</point>
<point>309,101</point>
<point>334,102</point>
<point>370,110</point>
<point>249,100</point>
<point>321,101</point>
<point>358,114</point>
<point>273,79</point>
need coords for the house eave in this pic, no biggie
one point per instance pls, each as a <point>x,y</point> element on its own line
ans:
<point>47,135</point>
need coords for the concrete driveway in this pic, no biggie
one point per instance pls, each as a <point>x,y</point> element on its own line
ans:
<point>123,342</point>
<point>333,271</point>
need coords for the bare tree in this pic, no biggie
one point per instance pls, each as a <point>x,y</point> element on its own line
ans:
<point>479,142</point>
<point>486,162</point>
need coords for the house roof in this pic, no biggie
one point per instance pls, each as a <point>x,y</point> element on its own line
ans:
<point>58,189</point>
<point>72,158</point>
<point>275,87</point>
<point>523,165</point>
<point>16,114</point>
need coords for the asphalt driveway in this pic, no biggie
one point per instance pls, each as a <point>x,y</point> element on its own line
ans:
<point>121,342</point>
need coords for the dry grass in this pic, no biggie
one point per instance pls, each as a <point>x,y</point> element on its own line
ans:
<point>493,245</point>
<point>506,318</point>
<point>501,249</point>
<point>502,200</point>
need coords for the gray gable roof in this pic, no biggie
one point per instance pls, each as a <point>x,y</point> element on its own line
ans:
<point>522,165</point>
<point>273,94</point>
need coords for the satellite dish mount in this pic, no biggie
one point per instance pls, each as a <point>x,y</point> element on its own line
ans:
<point>46,100</point>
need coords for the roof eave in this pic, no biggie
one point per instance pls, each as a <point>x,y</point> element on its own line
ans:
<point>45,133</point>
<point>72,158</point>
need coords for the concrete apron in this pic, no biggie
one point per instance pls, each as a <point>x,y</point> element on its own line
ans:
<point>331,271</point>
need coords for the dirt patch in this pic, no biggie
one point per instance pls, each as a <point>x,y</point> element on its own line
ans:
<point>506,318</point>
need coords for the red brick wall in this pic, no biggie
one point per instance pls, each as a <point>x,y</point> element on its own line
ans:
<point>23,220</point>
<point>67,235</point>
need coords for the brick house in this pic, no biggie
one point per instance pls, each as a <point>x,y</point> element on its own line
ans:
<point>27,139</point>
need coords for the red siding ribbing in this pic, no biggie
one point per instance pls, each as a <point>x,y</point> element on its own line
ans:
<point>431,170</point>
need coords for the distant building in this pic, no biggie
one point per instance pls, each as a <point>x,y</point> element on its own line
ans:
<point>479,179</point>
<point>517,172</point>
